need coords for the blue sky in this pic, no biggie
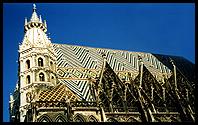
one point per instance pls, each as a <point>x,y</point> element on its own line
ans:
<point>156,28</point>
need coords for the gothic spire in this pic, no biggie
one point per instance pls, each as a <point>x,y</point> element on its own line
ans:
<point>40,19</point>
<point>34,17</point>
<point>35,21</point>
<point>34,7</point>
<point>45,23</point>
<point>25,21</point>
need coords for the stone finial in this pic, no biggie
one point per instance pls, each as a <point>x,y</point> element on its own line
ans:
<point>34,7</point>
<point>25,21</point>
<point>40,19</point>
<point>45,23</point>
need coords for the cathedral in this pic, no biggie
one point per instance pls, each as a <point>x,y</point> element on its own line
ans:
<point>69,83</point>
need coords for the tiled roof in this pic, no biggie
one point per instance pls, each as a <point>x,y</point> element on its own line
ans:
<point>76,65</point>
<point>58,93</point>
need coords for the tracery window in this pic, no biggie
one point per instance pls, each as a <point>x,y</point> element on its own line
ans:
<point>28,64</point>
<point>92,119</point>
<point>44,119</point>
<point>60,119</point>
<point>79,118</point>
<point>28,79</point>
<point>41,77</point>
<point>40,62</point>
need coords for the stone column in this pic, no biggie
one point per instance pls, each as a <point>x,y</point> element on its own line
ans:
<point>33,60</point>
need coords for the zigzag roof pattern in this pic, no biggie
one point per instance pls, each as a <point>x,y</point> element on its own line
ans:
<point>76,65</point>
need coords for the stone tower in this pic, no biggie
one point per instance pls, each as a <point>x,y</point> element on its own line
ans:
<point>37,62</point>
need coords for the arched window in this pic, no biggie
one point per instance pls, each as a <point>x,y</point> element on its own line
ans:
<point>28,79</point>
<point>51,64</point>
<point>60,119</point>
<point>44,118</point>
<point>28,64</point>
<point>92,119</point>
<point>41,77</point>
<point>40,62</point>
<point>79,118</point>
<point>53,79</point>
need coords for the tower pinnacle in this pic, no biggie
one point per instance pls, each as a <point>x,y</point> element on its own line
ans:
<point>34,17</point>
<point>34,7</point>
<point>35,21</point>
<point>25,21</point>
<point>40,19</point>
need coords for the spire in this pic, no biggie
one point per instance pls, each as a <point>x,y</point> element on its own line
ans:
<point>34,7</point>
<point>35,22</point>
<point>34,17</point>
<point>11,97</point>
<point>25,21</point>
<point>40,19</point>
<point>45,24</point>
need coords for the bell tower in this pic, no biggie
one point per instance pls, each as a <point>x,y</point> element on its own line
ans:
<point>37,61</point>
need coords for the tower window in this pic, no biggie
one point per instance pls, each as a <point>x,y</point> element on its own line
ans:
<point>41,77</point>
<point>40,62</point>
<point>51,64</point>
<point>28,79</point>
<point>28,64</point>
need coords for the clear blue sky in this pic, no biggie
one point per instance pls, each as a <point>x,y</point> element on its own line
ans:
<point>157,28</point>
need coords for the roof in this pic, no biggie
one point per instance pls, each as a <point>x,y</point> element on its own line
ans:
<point>78,65</point>
<point>183,65</point>
<point>58,93</point>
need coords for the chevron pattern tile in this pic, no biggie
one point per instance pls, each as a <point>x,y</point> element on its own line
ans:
<point>76,65</point>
